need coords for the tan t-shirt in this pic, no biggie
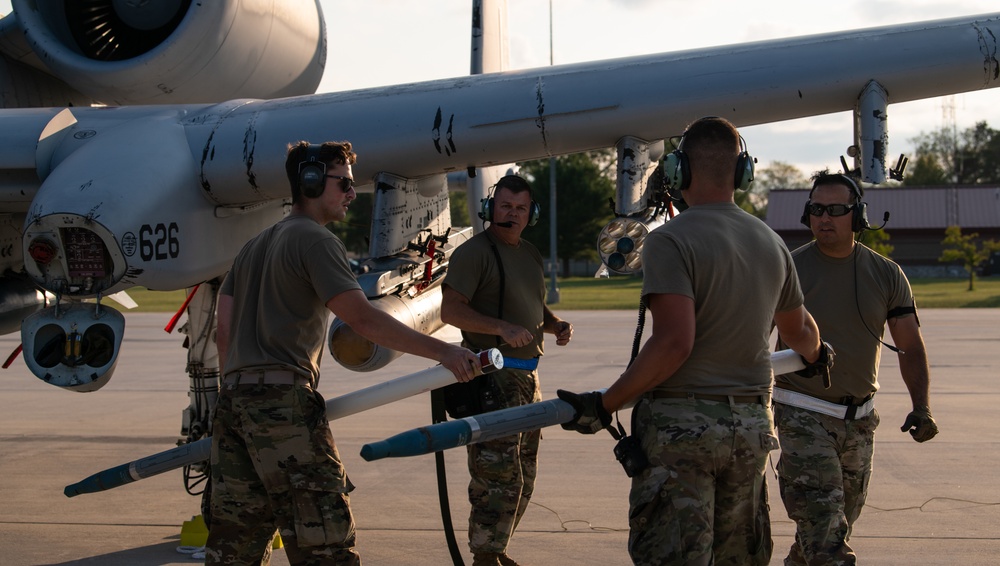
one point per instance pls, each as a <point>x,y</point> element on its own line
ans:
<point>846,295</point>
<point>739,273</point>
<point>473,271</point>
<point>280,283</point>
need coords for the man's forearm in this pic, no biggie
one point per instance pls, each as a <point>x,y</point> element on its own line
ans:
<point>464,317</point>
<point>916,375</point>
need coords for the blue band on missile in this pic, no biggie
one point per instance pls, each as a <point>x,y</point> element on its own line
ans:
<point>518,363</point>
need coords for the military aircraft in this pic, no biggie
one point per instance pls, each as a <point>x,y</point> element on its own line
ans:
<point>143,143</point>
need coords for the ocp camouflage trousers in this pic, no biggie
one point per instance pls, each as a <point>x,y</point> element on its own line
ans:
<point>823,472</point>
<point>503,470</point>
<point>275,465</point>
<point>702,500</point>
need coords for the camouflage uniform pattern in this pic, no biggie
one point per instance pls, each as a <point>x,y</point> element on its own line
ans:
<point>275,463</point>
<point>825,485</point>
<point>503,470</point>
<point>703,499</point>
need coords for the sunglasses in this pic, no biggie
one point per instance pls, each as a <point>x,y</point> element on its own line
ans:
<point>831,209</point>
<point>346,183</point>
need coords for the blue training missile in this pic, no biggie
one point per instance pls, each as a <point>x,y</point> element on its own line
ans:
<point>505,422</point>
<point>477,428</point>
<point>338,407</point>
<point>183,455</point>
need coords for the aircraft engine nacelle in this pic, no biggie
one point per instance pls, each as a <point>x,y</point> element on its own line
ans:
<point>355,352</point>
<point>73,345</point>
<point>18,298</point>
<point>178,51</point>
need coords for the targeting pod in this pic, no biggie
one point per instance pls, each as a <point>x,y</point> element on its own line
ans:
<point>355,352</point>
<point>73,345</point>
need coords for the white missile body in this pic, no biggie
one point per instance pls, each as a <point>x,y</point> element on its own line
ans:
<point>345,405</point>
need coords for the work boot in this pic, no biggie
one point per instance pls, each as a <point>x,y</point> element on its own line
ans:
<point>486,559</point>
<point>507,560</point>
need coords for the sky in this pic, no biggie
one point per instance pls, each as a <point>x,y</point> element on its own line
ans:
<point>384,42</point>
<point>410,44</point>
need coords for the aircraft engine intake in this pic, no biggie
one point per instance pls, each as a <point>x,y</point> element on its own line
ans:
<point>178,51</point>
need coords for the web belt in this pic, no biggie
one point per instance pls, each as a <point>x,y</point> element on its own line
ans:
<point>803,401</point>
<point>519,363</point>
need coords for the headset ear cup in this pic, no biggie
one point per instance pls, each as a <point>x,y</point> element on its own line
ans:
<point>805,216</point>
<point>745,171</point>
<point>534,214</point>
<point>859,218</point>
<point>486,212</point>
<point>676,174</point>
<point>312,179</point>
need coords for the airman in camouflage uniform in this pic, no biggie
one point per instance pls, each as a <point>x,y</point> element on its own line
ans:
<point>274,462</point>
<point>714,278</point>
<point>827,432</point>
<point>495,293</point>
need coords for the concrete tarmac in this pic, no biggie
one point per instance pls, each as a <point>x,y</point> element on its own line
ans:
<point>930,504</point>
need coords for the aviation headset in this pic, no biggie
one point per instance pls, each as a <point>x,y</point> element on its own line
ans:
<point>859,215</point>
<point>312,173</point>
<point>488,206</point>
<point>677,169</point>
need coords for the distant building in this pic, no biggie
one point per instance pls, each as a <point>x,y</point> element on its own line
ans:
<point>918,218</point>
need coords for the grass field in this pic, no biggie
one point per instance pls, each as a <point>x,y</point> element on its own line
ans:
<point>584,293</point>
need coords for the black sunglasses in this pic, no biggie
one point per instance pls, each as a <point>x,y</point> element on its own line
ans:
<point>346,183</point>
<point>831,209</point>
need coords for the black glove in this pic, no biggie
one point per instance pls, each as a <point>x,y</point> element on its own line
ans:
<point>920,424</point>
<point>821,367</point>
<point>591,416</point>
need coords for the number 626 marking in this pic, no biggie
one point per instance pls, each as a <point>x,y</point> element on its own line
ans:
<point>159,242</point>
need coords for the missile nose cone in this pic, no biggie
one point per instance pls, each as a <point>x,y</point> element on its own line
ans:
<point>101,481</point>
<point>88,485</point>
<point>375,450</point>
<point>419,441</point>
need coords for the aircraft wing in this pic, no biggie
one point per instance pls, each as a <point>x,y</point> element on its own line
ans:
<point>98,199</point>
<point>180,174</point>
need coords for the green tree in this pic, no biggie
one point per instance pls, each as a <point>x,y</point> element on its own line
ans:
<point>970,157</point>
<point>776,176</point>
<point>966,249</point>
<point>355,229</point>
<point>878,241</point>
<point>779,175</point>
<point>926,170</point>
<point>583,190</point>
<point>459,210</point>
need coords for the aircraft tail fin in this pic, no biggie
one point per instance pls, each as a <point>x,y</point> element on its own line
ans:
<point>490,42</point>
<point>490,54</point>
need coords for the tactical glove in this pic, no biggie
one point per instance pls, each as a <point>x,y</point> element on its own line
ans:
<point>821,367</point>
<point>920,424</point>
<point>591,416</point>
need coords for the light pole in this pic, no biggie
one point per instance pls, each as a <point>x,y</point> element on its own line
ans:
<point>553,294</point>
